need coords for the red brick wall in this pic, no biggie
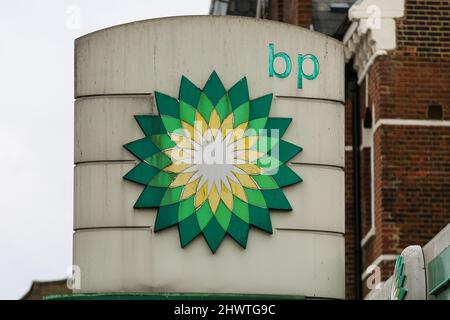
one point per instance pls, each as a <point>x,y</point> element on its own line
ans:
<point>425,29</point>
<point>349,229</point>
<point>349,208</point>
<point>414,184</point>
<point>408,83</point>
<point>412,162</point>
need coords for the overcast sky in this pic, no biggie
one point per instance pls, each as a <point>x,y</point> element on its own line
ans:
<point>36,126</point>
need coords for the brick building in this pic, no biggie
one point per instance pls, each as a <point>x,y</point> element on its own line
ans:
<point>40,289</point>
<point>397,119</point>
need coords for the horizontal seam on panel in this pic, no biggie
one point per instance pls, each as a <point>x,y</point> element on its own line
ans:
<point>104,162</point>
<point>312,230</point>
<point>318,165</point>
<point>151,94</point>
<point>311,98</point>
<point>150,227</point>
<point>135,161</point>
<point>113,95</point>
<point>113,228</point>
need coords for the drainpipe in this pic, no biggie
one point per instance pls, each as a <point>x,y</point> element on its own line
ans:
<point>258,9</point>
<point>356,124</point>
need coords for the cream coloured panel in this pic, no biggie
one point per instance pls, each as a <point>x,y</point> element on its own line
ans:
<point>149,55</point>
<point>138,260</point>
<point>104,199</point>
<point>104,124</point>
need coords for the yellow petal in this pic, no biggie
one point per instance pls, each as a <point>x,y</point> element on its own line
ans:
<point>249,168</point>
<point>237,190</point>
<point>181,141</point>
<point>177,154</point>
<point>181,179</point>
<point>227,197</point>
<point>201,195</point>
<point>214,198</point>
<point>189,129</point>
<point>245,143</point>
<point>200,124</point>
<point>227,124</point>
<point>177,167</point>
<point>239,132</point>
<point>250,155</point>
<point>190,189</point>
<point>246,181</point>
<point>214,120</point>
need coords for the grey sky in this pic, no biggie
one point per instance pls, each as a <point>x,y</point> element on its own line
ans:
<point>36,126</point>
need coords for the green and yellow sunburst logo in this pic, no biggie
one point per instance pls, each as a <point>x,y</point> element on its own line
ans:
<point>213,162</point>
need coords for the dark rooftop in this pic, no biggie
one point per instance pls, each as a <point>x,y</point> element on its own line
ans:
<point>329,16</point>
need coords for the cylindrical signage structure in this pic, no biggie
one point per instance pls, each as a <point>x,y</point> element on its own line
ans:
<point>149,219</point>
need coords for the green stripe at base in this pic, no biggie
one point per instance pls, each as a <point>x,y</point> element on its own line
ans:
<point>170,296</point>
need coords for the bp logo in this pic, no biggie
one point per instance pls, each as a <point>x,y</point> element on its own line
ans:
<point>213,162</point>
<point>398,291</point>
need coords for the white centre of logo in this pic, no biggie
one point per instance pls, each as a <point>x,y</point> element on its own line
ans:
<point>214,159</point>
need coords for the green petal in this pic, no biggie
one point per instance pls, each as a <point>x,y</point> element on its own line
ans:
<point>288,151</point>
<point>398,265</point>
<point>187,113</point>
<point>188,230</point>
<point>269,164</point>
<point>276,199</point>
<point>260,218</point>
<point>260,107</point>
<point>204,215</point>
<point>186,208</point>
<point>214,234</point>
<point>223,215</point>
<point>255,197</point>
<point>241,114</point>
<point>223,108</point>
<point>205,107</point>
<point>172,195</point>
<point>286,176</point>
<point>189,93</point>
<point>264,143</point>
<point>162,179</point>
<point>142,173</point>
<point>162,141</point>
<point>167,216</point>
<point>257,124</point>
<point>265,182</point>
<point>279,123</point>
<point>167,106</point>
<point>150,124</point>
<point>142,148</point>
<point>240,209</point>
<point>239,93</point>
<point>171,124</point>
<point>159,160</point>
<point>214,88</point>
<point>401,293</point>
<point>400,281</point>
<point>238,230</point>
<point>150,197</point>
